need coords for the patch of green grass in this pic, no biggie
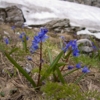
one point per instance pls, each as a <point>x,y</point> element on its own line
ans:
<point>49,45</point>
<point>57,91</point>
<point>86,60</point>
<point>2,94</point>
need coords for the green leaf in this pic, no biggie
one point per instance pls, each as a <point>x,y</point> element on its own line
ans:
<point>59,65</point>
<point>2,47</point>
<point>52,66</point>
<point>13,50</point>
<point>70,72</point>
<point>20,69</point>
<point>51,60</point>
<point>2,94</point>
<point>60,75</point>
<point>68,54</point>
<point>50,56</point>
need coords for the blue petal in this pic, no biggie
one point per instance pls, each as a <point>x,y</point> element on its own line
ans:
<point>6,40</point>
<point>70,67</point>
<point>85,70</point>
<point>44,38</point>
<point>78,65</point>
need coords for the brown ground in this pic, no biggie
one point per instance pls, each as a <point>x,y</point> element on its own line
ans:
<point>17,87</point>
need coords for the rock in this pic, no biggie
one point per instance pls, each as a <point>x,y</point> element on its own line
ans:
<point>86,45</point>
<point>86,2</point>
<point>3,15</point>
<point>57,25</point>
<point>84,42</point>
<point>14,15</point>
<point>62,26</point>
<point>86,49</point>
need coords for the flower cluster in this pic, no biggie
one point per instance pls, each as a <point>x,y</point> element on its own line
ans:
<point>73,45</point>
<point>41,37</point>
<point>78,66</point>
<point>22,35</point>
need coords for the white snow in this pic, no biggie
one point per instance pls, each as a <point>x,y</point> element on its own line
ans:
<point>41,11</point>
<point>97,35</point>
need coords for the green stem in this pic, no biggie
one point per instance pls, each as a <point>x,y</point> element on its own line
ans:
<point>67,58</point>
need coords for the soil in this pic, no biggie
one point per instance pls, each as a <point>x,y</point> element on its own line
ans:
<point>13,86</point>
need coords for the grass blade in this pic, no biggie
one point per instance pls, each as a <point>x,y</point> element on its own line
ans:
<point>13,50</point>
<point>52,66</point>
<point>50,56</point>
<point>60,75</point>
<point>70,72</point>
<point>20,69</point>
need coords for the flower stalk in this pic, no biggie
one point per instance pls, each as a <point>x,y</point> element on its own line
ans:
<point>40,66</point>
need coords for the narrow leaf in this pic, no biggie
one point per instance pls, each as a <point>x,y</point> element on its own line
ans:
<point>13,50</point>
<point>20,69</point>
<point>50,56</point>
<point>68,54</point>
<point>70,72</point>
<point>59,65</point>
<point>52,66</point>
<point>60,75</point>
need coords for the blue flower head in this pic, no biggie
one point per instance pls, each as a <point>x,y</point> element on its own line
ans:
<point>70,67</point>
<point>34,47</point>
<point>76,52</point>
<point>40,37</point>
<point>67,46</point>
<point>6,40</point>
<point>42,34</point>
<point>78,65</point>
<point>73,45</point>
<point>85,70</point>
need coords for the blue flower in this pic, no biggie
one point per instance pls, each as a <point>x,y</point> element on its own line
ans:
<point>73,45</point>
<point>36,39</point>
<point>94,47</point>
<point>78,65</point>
<point>42,34</point>
<point>67,46</point>
<point>6,40</point>
<point>13,27</point>
<point>76,52</point>
<point>34,47</point>
<point>22,35</point>
<point>70,67</point>
<point>85,70</point>
<point>29,58</point>
<point>41,37</point>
